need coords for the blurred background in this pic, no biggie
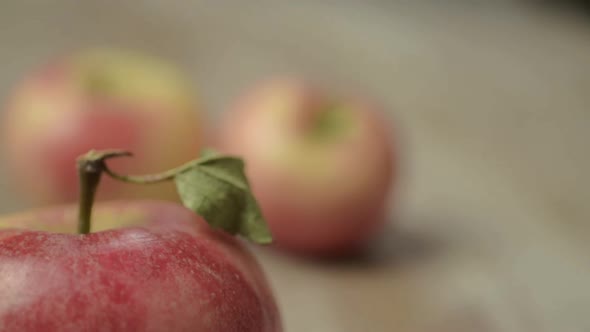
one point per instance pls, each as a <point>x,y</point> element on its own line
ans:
<point>492,100</point>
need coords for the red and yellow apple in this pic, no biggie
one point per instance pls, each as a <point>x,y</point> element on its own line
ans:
<point>145,266</point>
<point>322,166</point>
<point>95,99</point>
<point>141,265</point>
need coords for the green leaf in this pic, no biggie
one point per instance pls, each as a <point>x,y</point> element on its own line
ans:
<point>216,188</point>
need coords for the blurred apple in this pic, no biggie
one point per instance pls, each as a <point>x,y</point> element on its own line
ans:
<point>64,108</point>
<point>321,166</point>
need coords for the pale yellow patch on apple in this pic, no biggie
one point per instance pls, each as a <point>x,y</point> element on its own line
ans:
<point>137,79</point>
<point>309,151</point>
<point>129,76</point>
<point>37,104</point>
<point>303,141</point>
<point>64,219</point>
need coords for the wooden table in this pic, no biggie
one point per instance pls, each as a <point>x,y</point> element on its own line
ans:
<point>493,105</point>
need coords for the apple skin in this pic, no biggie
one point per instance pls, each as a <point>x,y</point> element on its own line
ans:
<point>97,99</point>
<point>165,270</point>
<point>323,196</point>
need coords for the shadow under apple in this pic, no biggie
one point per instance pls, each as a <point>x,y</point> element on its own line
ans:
<point>395,245</point>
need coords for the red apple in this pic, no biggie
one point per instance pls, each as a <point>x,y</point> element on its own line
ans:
<point>142,265</point>
<point>322,166</point>
<point>147,266</point>
<point>96,99</point>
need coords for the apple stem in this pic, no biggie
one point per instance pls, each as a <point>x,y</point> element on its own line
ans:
<point>90,168</point>
<point>144,179</point>
<point>152,178</point>
<point>89,172</point>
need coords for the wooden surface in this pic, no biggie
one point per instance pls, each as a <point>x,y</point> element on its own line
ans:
<point>493,104</point>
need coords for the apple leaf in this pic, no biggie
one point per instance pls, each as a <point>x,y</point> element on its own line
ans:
<point>214,186</point>
<point>217,189</point>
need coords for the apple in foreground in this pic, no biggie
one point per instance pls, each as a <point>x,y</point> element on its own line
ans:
<point>161,269</point>
<point>322,166</point>
<point>140,266</point>
<point>96,99</point>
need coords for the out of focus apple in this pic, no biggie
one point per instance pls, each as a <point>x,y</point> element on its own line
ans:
<point>95,99</point>
<point>322,166</point>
